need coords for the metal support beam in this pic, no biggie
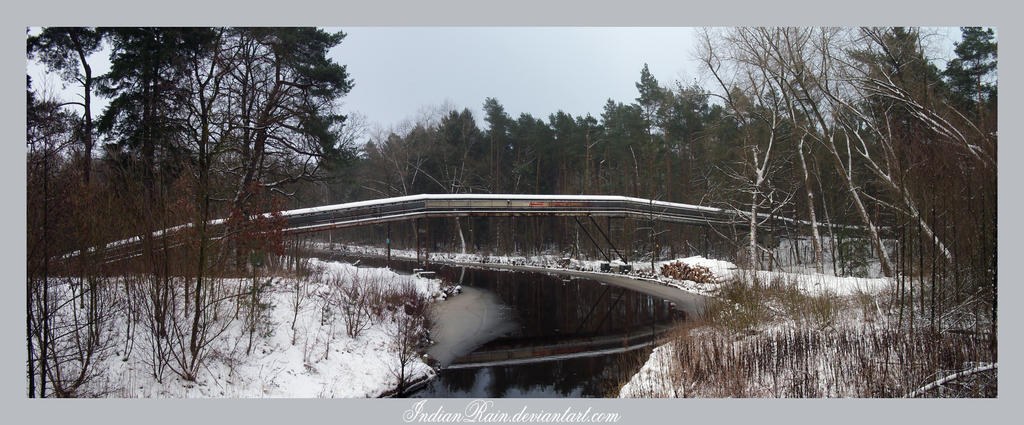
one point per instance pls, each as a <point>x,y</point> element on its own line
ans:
<point>596,245</point>
<point>592,308</point>
<point>607,239</point>
<point>610,310</point>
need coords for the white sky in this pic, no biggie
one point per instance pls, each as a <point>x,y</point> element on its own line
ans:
<point>398,71</point>
<point>536,70</point>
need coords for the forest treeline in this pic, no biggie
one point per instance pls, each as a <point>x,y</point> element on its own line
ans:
<point>851,126</point>
<point>832,126</point>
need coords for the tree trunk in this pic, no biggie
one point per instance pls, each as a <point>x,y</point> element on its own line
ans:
<point>462,239</point>
<point>752,261</point>
<point>87,106</point>
<point>204,213</point>
<point>819,257</point>
<point>876,240</point>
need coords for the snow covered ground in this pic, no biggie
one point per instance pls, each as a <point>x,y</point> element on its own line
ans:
<point>323,361</point>
<point>661,375</point>
<point>654,377</point>
<point>320,360</point>
<point>856,358</point>
<point>808,280</point>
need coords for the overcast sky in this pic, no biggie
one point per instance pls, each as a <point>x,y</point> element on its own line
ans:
<point>536,70</point>
<point>400,70</point>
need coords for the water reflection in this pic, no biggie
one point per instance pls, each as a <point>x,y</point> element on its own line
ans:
<point>464,322</point>
<point>553,308</point>
<point>552,313</point>
<point>581,377</point>
<point>518,316</point>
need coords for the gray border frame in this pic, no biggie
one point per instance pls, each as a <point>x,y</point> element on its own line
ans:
<point>509,12</point>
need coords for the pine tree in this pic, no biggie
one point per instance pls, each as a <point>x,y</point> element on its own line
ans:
<point>969,74</point>
<point>497,136</point>
<point>67,51</point>
<point>650,100</point>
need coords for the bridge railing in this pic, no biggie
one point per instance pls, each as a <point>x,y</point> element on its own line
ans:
<point>362,213</point>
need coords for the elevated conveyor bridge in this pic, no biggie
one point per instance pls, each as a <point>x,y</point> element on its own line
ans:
<point>425,206</point>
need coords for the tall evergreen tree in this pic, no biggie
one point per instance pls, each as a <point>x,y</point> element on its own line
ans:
<point>650,99</point>
<point>971,74</point>
<point>285,88</point>
<point>498,123</point>
<point>66,50</point>
<point>143,82</point>
<point>460,153</point>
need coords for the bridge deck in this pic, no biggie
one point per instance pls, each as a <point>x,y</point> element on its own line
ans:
<point>362,213</point>
<point>465,205</point>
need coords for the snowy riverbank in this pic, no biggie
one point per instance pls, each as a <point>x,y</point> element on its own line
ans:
<point>807,280</point>
<point>316,358</point>
<point>812,335</point>
<point>662,376</point>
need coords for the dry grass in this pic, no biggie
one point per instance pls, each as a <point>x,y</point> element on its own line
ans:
<point>772,339</point>
<point>802,362</point>
<point>738,307</point>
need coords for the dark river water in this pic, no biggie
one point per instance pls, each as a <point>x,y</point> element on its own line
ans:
<point>525,334</point>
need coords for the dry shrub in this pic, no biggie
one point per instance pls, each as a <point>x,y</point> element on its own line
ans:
<point>802,362</point>
<point>356,305</point>
<point>738,307</point>
<point>819,311</point>
<point>823,310</point>
<point>866,304</point>
<point>408,299</point>
<point>366,299</point>
<point>407,336</point>
<point>351,298</point>
<point>790,299</point>
<point>408,307</point>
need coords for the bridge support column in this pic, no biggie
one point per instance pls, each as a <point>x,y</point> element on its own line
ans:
<point>418,229</point>
<point>707,244</point>
<point>423,241</point>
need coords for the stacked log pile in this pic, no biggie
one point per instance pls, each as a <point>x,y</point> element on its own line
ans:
<point>682,271</point>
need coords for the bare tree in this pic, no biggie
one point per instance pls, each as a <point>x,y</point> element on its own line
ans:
<point>67,312</point>
<point>757,108</point>
<point>405,335</point>
<point>781,65</point>
<point>396,158</point>
<point>353,299</point>
<point>803,61</point>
